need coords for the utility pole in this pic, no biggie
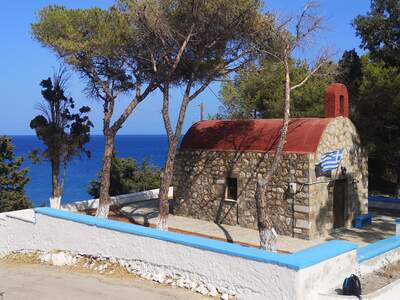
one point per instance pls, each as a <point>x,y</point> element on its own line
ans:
<point>201,111</point>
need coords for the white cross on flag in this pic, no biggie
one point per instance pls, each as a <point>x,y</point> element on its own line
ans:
<point>331,160</point>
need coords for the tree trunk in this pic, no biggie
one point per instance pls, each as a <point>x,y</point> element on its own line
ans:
<point>173,139</point>
<point>55,198</point>
<point>265,226</point>
<point>166,180</point>
<point>267,238</point>
<point>104,197</point>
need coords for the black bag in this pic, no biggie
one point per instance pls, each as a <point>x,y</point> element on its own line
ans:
<point>352,286</point>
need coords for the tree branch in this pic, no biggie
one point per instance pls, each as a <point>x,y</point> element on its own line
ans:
<point>200,90</point>
<point>132,105</point>
<point>308,76</point>
<point>182,111</point>
<point>165,112</point>
<point>181,50</point>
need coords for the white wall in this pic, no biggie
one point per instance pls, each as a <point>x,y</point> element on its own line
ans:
<point>247,278</point>
<point>243,276</point>
<point>389,292</point>
<point>332,272</point>
<point>380,261</point>
<point>115,201</point>
<point>385,205</point>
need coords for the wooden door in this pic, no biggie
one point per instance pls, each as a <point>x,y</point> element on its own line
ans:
<point>339,201</point>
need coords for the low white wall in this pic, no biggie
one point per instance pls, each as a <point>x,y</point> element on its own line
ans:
<point>244,277</point>
<point>384,205</point>
<point>380,261</point>
<point>333,271</point>
<point>115,201</point>
<point>383,202</point>
<point>240,276</point>
<point>379,254</point>
<point>389,292</point>
<point>371,258</point>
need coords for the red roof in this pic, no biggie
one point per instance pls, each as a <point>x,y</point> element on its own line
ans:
<point>260,135</point>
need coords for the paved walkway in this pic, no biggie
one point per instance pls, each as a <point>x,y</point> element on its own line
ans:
<point>32,282</point>
<point>146,213</point>
<point>382,227</point>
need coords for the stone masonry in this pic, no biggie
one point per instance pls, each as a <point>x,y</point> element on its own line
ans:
<point>212,154</point>
<point>340,133</point>
<point>200,183</point>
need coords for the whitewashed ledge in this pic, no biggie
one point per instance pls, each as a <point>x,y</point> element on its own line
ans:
<point>115,201</point>
<point>26,215</point>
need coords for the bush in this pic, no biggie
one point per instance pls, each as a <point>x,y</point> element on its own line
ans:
<point>128,177</point>
<point>12,179</point>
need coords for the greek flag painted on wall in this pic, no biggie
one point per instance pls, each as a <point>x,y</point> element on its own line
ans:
<point>331,160</point>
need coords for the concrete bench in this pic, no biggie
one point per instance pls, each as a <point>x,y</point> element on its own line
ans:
<point>362,220</point>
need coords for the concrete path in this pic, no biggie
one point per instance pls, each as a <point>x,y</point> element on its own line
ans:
<point>33,282</point>
<point>381,228</point>
<point>146,213</point>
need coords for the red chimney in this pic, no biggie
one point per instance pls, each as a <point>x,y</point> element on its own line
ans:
<point>336,101</point>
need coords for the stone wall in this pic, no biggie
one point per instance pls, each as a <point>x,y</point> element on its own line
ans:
<point>339,134</point>
<point>200,185</point>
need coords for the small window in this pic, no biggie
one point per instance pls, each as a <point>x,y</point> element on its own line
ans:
<point>231,188</point>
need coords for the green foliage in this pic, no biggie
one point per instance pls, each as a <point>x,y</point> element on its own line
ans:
<point>93,32</point>
<point>378,110</point>
<point>258,92</point>
<point>94,41</point>
<point>350,73</point>
<point>379,31</point>
<point>375,107</point>
<point>373,83</point>
<point>128,177</point>
<point>63,132</point>
<point>219,30</point>
<point>12,179</point>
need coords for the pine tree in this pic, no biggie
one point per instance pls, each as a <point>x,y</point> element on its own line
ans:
<point>12,178</point>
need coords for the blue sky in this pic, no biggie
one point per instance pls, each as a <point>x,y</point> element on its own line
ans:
<point>24,63</point>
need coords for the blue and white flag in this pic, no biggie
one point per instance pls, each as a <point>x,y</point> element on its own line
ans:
<point>331,160</point>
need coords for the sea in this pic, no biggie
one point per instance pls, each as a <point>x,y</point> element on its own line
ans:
<point>81,171</point>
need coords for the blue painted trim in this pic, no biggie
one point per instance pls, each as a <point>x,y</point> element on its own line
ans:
<point>296,261</point>
<point>383,199</point>
<point>377,248</point>
<point>316,254</point>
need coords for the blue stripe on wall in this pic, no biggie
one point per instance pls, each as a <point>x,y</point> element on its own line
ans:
<point>296,261</point>
<point>377,248</point>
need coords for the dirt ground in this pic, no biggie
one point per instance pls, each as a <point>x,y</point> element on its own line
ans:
<point>380,278</point>
<point>22,277</point>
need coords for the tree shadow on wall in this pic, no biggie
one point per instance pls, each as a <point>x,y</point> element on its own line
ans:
<point>235,136</point>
